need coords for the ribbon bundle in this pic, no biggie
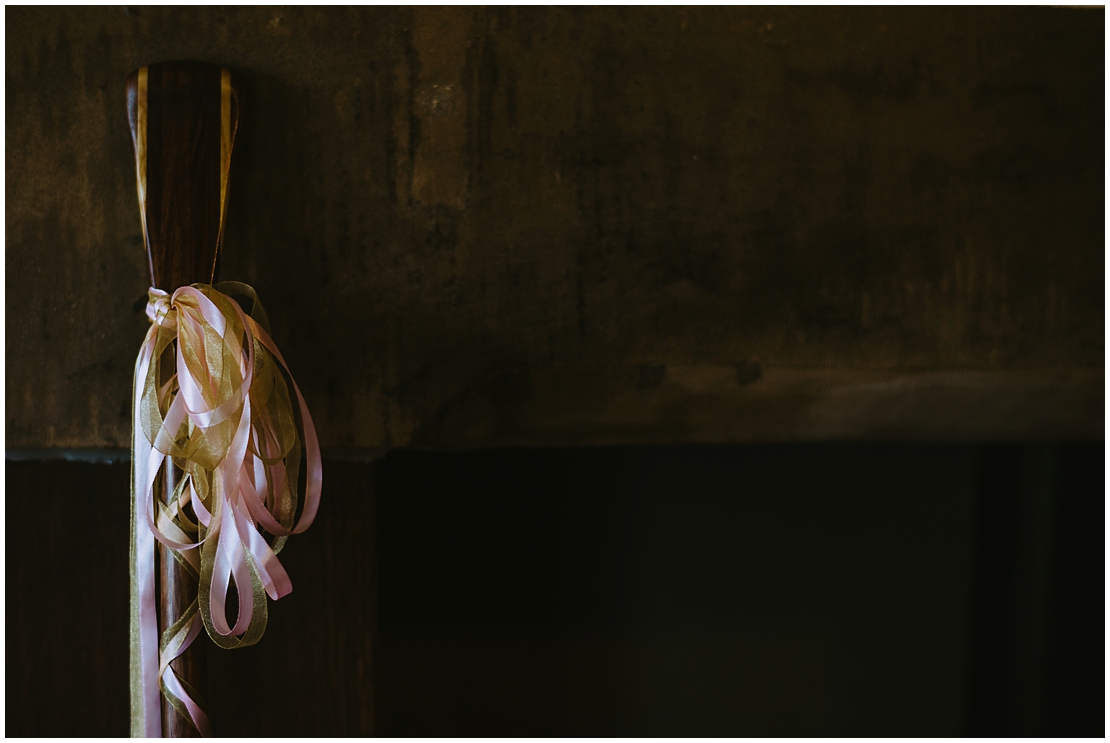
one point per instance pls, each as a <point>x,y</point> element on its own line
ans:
<point>223,415</point>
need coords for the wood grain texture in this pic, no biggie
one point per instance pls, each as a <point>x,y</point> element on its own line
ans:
<point>183,168</point>
<point>66,622</point>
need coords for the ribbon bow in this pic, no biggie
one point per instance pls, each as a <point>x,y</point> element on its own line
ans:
<point>224,417</point>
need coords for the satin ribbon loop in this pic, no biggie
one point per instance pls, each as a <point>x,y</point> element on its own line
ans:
<point>212,397</point>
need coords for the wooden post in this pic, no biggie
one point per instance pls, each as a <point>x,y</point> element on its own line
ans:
<point>183,118</point>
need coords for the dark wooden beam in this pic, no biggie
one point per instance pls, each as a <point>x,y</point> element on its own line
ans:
<point>183,118</point>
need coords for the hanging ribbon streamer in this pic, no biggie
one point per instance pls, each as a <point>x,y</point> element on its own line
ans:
<point>225,418</point>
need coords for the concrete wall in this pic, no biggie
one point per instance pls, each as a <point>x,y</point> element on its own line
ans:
<point>516,226</point>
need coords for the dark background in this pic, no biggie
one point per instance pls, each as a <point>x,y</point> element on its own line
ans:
<point>798,590</point>
<point>656,312</point>
<point>808,589</point>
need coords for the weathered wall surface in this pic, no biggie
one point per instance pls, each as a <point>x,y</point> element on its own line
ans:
<point>513,226</point>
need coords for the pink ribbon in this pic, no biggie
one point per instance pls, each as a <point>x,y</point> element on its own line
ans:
<point>208,411</point>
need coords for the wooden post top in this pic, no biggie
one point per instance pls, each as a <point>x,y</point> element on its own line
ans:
<point>183,118</point>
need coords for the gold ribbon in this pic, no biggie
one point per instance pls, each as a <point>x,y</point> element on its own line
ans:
<point>225,417</point>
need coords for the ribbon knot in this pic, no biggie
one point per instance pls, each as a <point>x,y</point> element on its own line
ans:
<point>158,305</point>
